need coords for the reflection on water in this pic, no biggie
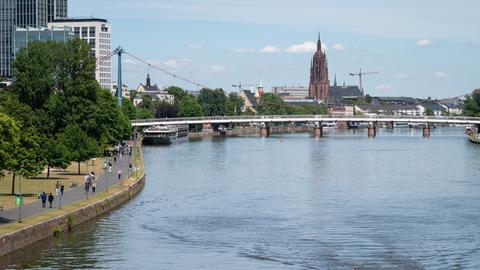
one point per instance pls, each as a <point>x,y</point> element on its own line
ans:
<point>398,201</point>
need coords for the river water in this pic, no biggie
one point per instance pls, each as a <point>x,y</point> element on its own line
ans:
<point>290,201</point>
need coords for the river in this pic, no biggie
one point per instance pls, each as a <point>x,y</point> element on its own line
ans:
<point>290,201</point>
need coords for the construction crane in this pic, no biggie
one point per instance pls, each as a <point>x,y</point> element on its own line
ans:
<point>360,75</point>
<point>240,85</point>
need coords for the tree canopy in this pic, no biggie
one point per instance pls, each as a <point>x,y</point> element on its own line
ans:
<point>472,104</point>
<point>55,101</point>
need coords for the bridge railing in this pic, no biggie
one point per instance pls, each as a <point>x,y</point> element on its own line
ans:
<point>373,118</point>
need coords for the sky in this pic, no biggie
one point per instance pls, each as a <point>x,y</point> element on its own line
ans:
<point>428,48</point>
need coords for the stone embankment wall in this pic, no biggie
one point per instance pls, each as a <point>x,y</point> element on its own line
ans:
<point>22,238</point>
<point>247,131</point>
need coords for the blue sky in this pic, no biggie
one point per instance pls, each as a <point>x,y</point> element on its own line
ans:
<point>420,48</point>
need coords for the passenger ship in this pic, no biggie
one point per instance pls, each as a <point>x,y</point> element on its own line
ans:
<point>164,135</point>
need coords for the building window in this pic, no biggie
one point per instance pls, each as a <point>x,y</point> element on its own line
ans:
<point>92,31</point>
<point>76,31</point>
<point>84,31</point>
<point>92,43</point>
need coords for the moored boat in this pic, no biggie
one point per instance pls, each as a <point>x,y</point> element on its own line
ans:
<point>164,135</point>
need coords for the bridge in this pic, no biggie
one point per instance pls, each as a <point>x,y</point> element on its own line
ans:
<point>265,121</point>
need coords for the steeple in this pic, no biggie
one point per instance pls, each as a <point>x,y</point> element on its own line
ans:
<point>319,43</point>
<point>335,80</point>
<point>148,80</point>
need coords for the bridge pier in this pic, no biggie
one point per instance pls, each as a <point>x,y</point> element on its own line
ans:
<point>372,130</point>
<point>318,130</point>
<point>390,125</point>
<point>426,131</point>
<point>264,130</point>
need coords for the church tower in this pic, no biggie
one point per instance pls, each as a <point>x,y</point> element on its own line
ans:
<point>319,83</point>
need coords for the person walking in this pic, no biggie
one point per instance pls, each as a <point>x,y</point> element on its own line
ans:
<point>62,189</point>
<point>43,197</point>
<point>87,182</point>
<point>119,174</point>
<point>94,186</point>
<point>50,199</point>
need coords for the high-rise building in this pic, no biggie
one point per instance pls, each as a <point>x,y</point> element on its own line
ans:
<point>97,33</point>
<point>32,13</point>
<point>57,9</point>
<point>8,22</point>
<point>24,14</point>
<point>319,83</point>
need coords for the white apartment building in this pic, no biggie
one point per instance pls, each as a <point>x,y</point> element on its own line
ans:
<point>97,33</point>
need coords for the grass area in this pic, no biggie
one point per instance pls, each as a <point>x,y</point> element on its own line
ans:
<point>31,186</point>
<point>78,204</point>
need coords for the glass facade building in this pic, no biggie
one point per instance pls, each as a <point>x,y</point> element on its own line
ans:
<point>8,22</point>
<point>24,14</point>
<point>25,35</point>
<point>57,9</point>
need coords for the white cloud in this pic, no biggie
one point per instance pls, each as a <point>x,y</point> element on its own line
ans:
<point>195,46</point>
<point>440,74</point>
<point>129,61</point>
<point>384,87</point>
<point>175,63</point>
<point>424,42</point>
<point>306,47</point>
<point>270,49</point>
<point>402,76</point>
<point>339,47</point>
<point>217,69</point>
<point>172,63</point>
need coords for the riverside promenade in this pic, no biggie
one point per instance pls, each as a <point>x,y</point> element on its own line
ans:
<point>75,194</point>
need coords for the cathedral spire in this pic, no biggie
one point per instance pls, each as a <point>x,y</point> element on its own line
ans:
<point>319,43</point>
<point>335,80</point>
<point>148,80</point>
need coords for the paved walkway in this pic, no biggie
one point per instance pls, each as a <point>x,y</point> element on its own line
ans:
<point>70,196</point>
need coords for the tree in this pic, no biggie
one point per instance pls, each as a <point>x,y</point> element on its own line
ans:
<point>166,110</point>
<point>429,112</point>
<point>129,109</point>
<point>189,107</point>
<point>28,161</point>
<point>271,104</point>
<point>55,154</point>
<point>235,103</point>
<point>213,102</point>
<point>472,104</point>
<point>35,71</point>
<point>177,92</point>
<point>80,147</point>
<point>9,141</point>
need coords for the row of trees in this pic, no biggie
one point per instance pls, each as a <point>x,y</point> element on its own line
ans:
<point>56,112</point>
<point>213,102</point>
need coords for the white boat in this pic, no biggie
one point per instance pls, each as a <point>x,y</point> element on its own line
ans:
<point>164,134</point>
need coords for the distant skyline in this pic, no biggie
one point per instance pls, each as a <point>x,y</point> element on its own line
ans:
<point>420,48</point>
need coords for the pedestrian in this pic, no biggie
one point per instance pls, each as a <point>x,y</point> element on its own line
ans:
<point>50,199</point>
<point>87,182</point>
<point>130,166</point>
<point>119,174</point>
<point>43,197</point>
<point>110,169</point>
<point>94,186</point>
<point>115,159</point>
<point>62,189</point>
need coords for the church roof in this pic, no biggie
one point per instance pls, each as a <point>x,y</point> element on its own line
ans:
<point>341,92</point>
<point>251,97</point>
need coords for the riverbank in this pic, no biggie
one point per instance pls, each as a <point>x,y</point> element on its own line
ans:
<point>19,235</point>
<point>30,187</point>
